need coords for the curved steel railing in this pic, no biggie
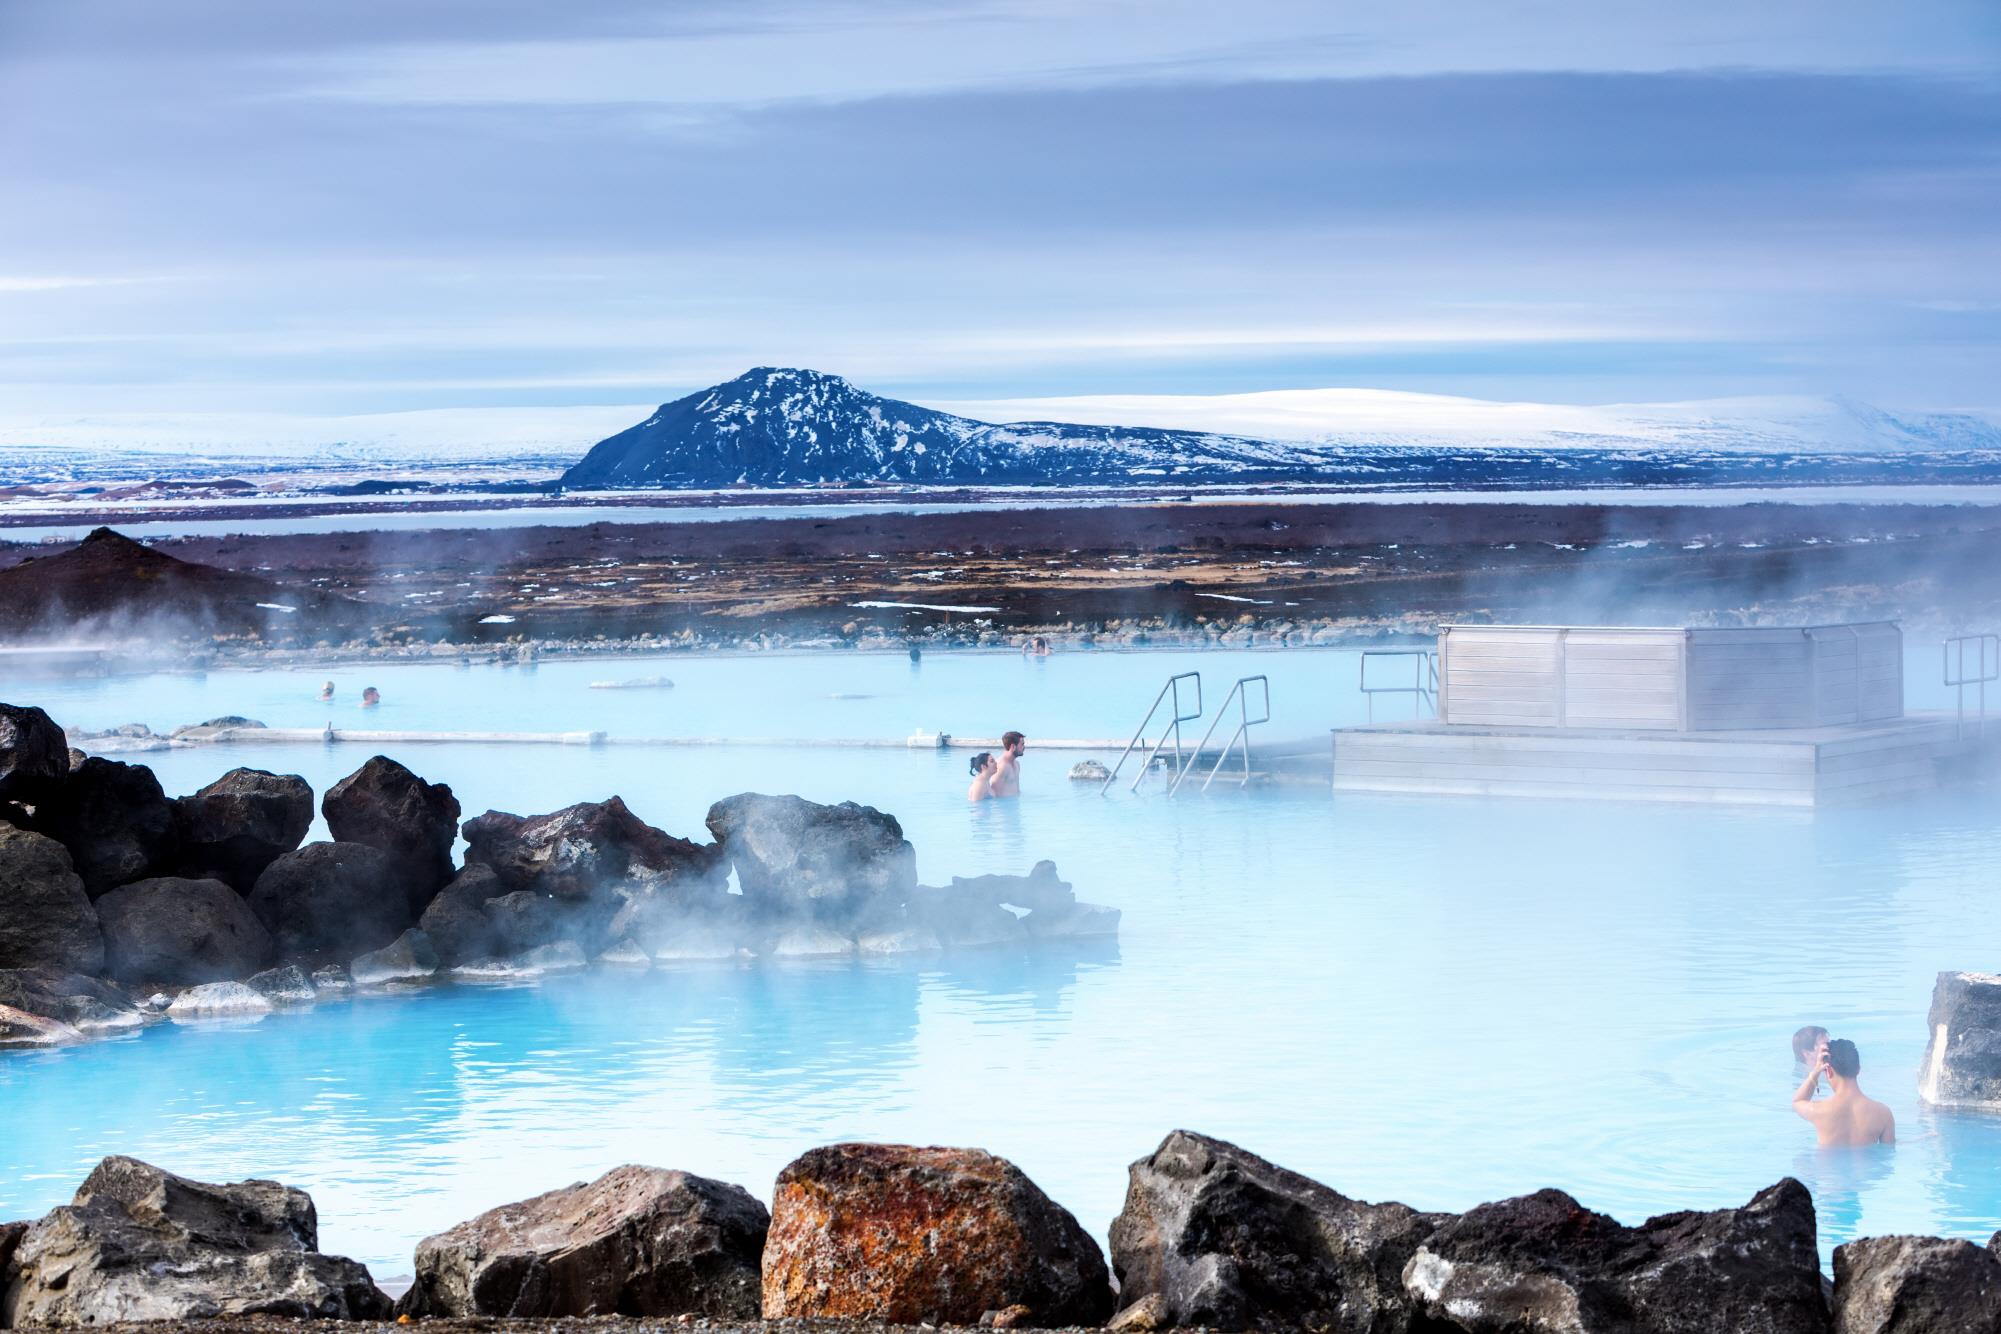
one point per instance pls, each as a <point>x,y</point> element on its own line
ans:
<point>1241,693</point>
<point>1172,730</point>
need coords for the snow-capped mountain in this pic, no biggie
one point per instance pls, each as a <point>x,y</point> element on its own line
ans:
<point>776,427</point>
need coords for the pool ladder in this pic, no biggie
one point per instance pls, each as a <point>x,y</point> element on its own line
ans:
<point>1177,714</point>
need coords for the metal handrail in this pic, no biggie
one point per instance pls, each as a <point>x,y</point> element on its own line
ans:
<point>1173,729</point>
<point>1423,689</point>
<point>1239,692</point>
<point>1987,667</point>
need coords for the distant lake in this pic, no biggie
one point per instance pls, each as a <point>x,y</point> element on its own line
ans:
<point>217,520</point>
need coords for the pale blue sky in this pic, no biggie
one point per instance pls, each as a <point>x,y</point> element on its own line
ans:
<point>233,205</point>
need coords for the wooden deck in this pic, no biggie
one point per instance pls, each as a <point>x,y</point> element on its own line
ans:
<point>1803,766</point>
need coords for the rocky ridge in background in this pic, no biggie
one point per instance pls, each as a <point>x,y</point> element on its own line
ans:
<point>210,903</point>
<point>873,1235</point>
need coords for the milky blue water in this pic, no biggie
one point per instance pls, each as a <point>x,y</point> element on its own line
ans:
<point>1440,1001</point>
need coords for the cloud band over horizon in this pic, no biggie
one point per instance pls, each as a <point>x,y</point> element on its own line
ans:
<point>386,207</point>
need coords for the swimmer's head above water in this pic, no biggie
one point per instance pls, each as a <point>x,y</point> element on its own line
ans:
<point>980,763</point>
<point>1842,1058</point>
<point>1807,1043</point>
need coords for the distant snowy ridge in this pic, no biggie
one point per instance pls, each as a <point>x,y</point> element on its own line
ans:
<point>1387,417</point>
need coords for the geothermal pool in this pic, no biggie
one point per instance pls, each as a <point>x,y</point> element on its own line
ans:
<point>1435,1000</point>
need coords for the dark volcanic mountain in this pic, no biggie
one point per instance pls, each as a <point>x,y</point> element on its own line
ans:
<point>778,427</point>
<point>110,585</point>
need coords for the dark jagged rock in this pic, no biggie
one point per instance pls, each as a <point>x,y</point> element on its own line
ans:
<point>181,932</point>
<point>1222,1237</point>
<point>1916,1285</point>
<point>1041,888</point>
<point>965,919</point>
<point>387,807</point>
<point>34,754</point>
<point>110,582</point>
<point>1962,1066</point>
<point>10,1240</point>
<point>456,920</point>
<point>141,1244</point>
<point>798,858</point>
<point>85,1003</point>
<point>902,1234</point>
<point>332,900</point>
<point>287,984</point>
<point>1543,1261</point>
<point>638,1241</point>
<point>46,920</point>
<point>114,819</point>
<point>408,958</point>
<point>575,852</point>
<point>241,823</point>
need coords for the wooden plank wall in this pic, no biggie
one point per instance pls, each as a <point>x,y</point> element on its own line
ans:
<point>1544,676</point>
<point>1632,679</point>
<point>1745,680</point>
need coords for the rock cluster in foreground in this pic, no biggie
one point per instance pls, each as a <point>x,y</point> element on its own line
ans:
<point>1210,1235</point>
<point>119,904</point>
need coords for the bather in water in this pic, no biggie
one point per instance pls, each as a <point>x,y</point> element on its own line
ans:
<point>1847,1118</point>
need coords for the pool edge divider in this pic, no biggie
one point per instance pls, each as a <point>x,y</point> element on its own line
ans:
<point>329,735</point>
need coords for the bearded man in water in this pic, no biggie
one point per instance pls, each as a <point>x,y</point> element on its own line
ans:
<point>1007,778</point>
<point>1847,1118</point>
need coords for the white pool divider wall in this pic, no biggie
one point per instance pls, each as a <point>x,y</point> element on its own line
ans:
<point>1784,716</point>
<point>1670,679</point>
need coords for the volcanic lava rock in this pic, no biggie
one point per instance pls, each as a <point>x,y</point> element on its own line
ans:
<point>408,958</point>
<point>180,932</point>
<point>1543,1261</point>
<point>965,918</point>
<point>287,984</point>
<point>34,754</point>
<point>1222,1237</point>
<point>114,819</point>
<point>82,1002</point>
<point>1916,1285</point>
<point>638,1241</point>
<point>456,921</point>
<point>1040,889</point>
<point>332,900</point>
<point>10,1240</point>
<point>574,852</point>
<point>46,920</point>
<point>798,858</point>
<point>387,807</point>
<point>902,1234</point>
<point>137,1243</point>
<point>241,823</point>
<point>219,1000</point>
<point>19,1028</point>
<point>1962,1066</point>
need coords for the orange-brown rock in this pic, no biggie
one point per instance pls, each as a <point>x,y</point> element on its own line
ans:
<point>907,1235</point>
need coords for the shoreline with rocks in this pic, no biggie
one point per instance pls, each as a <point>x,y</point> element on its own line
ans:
<point>865,1235</point>
<point>123,906</point>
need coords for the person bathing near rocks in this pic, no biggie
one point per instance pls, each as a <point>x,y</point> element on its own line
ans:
<point>370,698</point>
<point>1007,774</point>
<point>327,691</point>
<point>1847,1118</point>
<point>983,767</point>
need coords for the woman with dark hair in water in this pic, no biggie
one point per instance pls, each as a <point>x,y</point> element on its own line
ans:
<point>983,767</point>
